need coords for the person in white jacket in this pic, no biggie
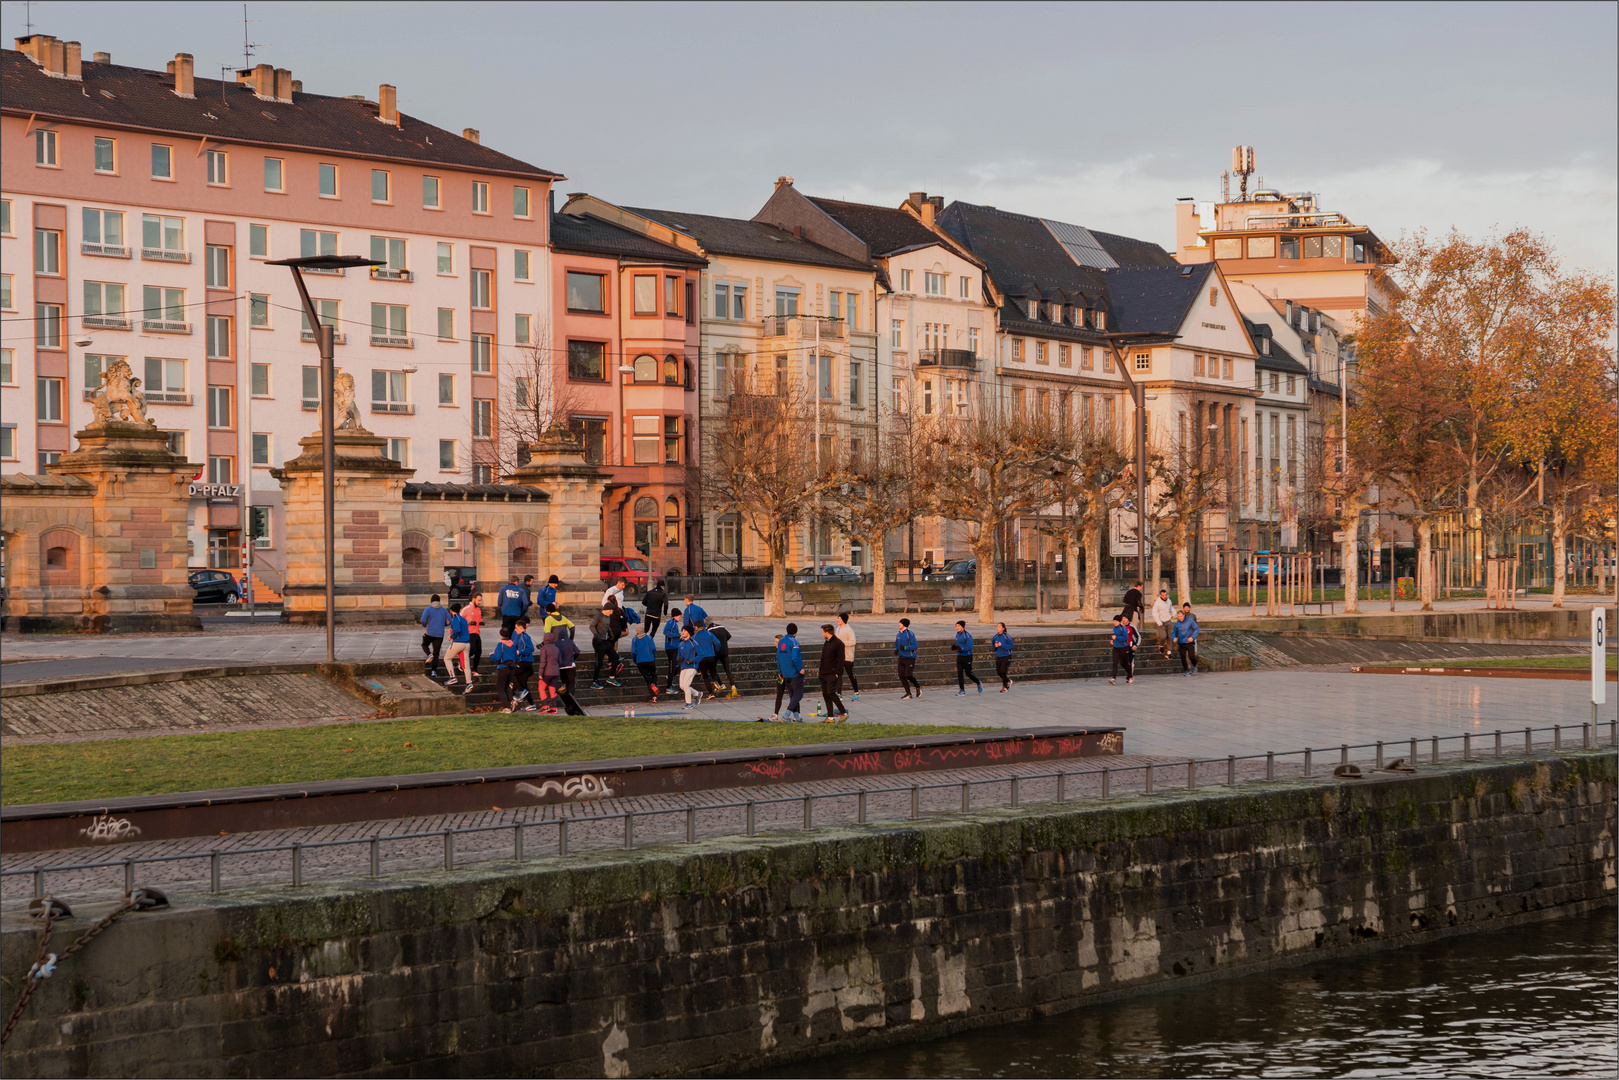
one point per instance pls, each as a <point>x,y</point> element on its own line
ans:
<point>1163,616</point>
<point>845,634</point>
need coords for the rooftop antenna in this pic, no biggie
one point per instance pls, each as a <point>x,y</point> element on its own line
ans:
<point>248,46</point>
<point>28,16</point>
<point>1242,163</point>
<point>1225,186</point>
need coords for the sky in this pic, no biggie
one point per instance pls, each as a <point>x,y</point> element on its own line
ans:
<point>1401,116</point>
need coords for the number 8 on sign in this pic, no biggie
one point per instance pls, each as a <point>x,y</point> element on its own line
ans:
<point>1599,660</point>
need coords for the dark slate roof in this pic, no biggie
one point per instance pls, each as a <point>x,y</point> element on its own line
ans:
<point>1128,251</point>
<point>582,232</point>
<point>112,95</point>
<point>478,492</point>
<point>748,239</point>
<point>1279,359</point>
<point>884,229</point>
<point>1153,299</point>
<point>1021,254</point>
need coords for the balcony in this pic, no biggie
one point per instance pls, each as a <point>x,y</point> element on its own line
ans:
<point>330,271</point>
<point>105,322</point>
<point>309,336</point>
<point>169,397</point>
<point>388,341</point>
<point>384,273</point>
<point>804,327</point>
<point>950,358</point>
<point>165,255</point>
<point>106,251</point>
<point>401,408</point>
<point>165,326</point>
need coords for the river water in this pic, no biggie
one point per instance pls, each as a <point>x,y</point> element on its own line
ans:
<point>1540,1000</point>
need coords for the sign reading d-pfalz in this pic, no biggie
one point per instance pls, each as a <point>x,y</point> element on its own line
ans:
<point>215,491</point>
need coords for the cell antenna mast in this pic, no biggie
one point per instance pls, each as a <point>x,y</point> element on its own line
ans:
<point>1242,163</point>
<point>248,46</point>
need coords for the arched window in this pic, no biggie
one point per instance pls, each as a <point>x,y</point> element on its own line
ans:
<point>671,522</point>
<point>646,524</point>
<point>646,368</point>
<point>671,370</point>
<point>56,558</point>
<point>646,507</point>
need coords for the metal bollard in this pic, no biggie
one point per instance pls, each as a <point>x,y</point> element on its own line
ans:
<point>1014,793</point>
<point>1307,772</point>
<point>449,849</point>
<point>1061,786</point>
<point>213,871</point>
<point>1231,770</point>
<point>1343,754</point>
<point>860,810</point>
<point>376,857</point>
<point>1585,735</point>
<point>1467,746</point>
<point>691,825</point>
<point>808,802</point>
<point>750,817</point>
<point>629,831</point>
<point>1557,738</point>
<point>517,842</point>
<point>966,797</point>
<point>39,883</point>
<point>1528,740</point>
<point>916,802</point>
<point>129,876</point>
<point>1497,742</point>
<point>1412,760</point>
<point>562,836</point>
<point>1149,778</point>
<point>1435,751</point>
<point>1104,781</point>
<point>1379,754</point>
<point>1191,774</point>
<point>1270,764</point>
<point>297,866</point>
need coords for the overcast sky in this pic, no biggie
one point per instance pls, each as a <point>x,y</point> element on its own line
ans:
<point>1401,116</point>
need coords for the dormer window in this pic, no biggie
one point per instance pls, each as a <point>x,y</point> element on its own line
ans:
<point>1101,320</point>
<point>1264,346</point>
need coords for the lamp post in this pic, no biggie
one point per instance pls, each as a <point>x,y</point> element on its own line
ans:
<point>1138,393</point>
<point>325,339</point>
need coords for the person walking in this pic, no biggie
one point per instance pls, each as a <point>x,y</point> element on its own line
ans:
<point>790,670</point>
<point>964,660</point>
<point>692,612</point>
<point>905,650</point>
<point>1122,655</point>
<point>1186,630</point>
<point>604,643</point>
<point>707,651</point>
<point>525,658</point>
<point>547,595</point>
<point>513,604</point>
<point>472,612</point>
<point>688,668</point>
<point>1163,617</point>
<point>433,619</point>
<point>458,634</point>
<point>614,594</point>
<point>557,623</point>
<point>1002,643</point>
<point>845,634</point>
<point>831,673</point>
<point>644,651</point>
<point>548,675</point>
<point>671,647</point>
<point>568,663</point>
<point>722,655</point>
<point>504,658</point>
<point>655,600</point>
<point>1132,601</point>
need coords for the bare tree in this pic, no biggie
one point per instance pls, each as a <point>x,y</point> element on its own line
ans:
<point>534,394</point>
<point>1188,480</point>
<point>1090,472</point>
<point>1342,492</point>
<point>886,486</point>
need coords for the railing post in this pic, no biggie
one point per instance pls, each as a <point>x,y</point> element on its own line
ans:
<point>629,830</point>
<point>1434,753</point>
<point>1379,754</point>
<point>1014,793</point>
<point>1467,746</point>
<point>213,871</point>
<point>297,866</point>
<point>1528,740</point>
<point>1497,742</point>
<point>562,836</point>
<point>1149,778</point>
<point>750,817</point>
<point>39,883</point>
<point>1191,774</point>
<point>1585,735</point>
<point>1307,772</point>
<point>860,812</point>
<point>517,842</point>
<point>691,825</point>
<point>808,802</point>
<point>1343,754</point>
<point>376,857</point>
<point>1061,793</point>
<point>966,796</point>
<point>449,849</point>
<point>1412,760</point>
<point>1270,764</point>
<point>1557,738</point>
<point>1104,781</point>
<point>1231,770</point>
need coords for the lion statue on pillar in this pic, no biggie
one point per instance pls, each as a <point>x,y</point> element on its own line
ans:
<point>120,396</point>
<point>347,413</point>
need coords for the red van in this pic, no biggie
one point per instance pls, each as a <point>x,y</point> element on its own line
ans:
<point>634,572</point>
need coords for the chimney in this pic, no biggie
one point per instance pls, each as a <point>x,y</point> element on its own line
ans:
<point>388,104</point>
<point>917,198</point>
<point>470,134</point>
<point>260,79</point>
<point>784,181</point>
<point>103,58</point>
<point>72,56</point>
<point>181,68</point>
<point>37,46</point>
<point>58,64</point>
<point>283,84</point>
<point>297,86</point>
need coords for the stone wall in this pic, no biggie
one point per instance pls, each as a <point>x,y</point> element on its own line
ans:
<point>734,954</point>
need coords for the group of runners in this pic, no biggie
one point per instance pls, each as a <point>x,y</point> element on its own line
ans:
<point>1177,633</point>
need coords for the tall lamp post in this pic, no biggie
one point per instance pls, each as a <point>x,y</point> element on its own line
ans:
<point>1116,343</point>
<point>325,339</point>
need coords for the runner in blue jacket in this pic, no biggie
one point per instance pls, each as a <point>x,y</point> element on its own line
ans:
<point>1003,655</point>
<point>1123,654</point>
<point>905,649</point>
<point>1185,633</point>
<point>964,660</point>
<point>671,646</point>
<point>433,619</point>
<point>790,670</point>
<point>513,599</point>
<point>688,667</point>
<point>708,648</point>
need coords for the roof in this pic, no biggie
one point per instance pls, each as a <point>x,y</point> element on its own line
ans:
<point>1128,251</point>
<point>478,492</point>
<point>1021,253</point>
<point>46,484</point>
<point>884,229</point>
<point>748,239</point>
<point>1082,245</point>
<point>583,232</point>
<point>1154,299</point>
<point>1278,358</point>
<point>111,95</point>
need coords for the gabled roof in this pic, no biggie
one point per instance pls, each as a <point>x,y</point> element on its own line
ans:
<point>741,238</point>
<point>111,95</point>
<point>592,235</point>
<point>1154,299</point>
<point>1278,359</point>
<point>1128,251</point>
<point>1020,253</point>
<point>885,230</point>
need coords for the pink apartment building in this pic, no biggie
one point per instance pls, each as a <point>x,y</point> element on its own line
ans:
<point>139,209</point>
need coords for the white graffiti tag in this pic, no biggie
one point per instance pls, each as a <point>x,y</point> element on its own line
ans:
<point>575,787</point>
<point>107,830</point>
<point>1111,742</point>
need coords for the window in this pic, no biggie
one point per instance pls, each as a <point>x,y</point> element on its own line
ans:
<point>854,382</point>
<point>592,434</point>
<point>389,391</point>
<point>851,310</point>
<point>1063,358</point>
<point>1332,247</point>
<point>522,331</point>
<point>48,326</point>
<point>50,400</point>
<point>1291,385</point>
<point>1312,247</point>
<point>521,202</point>
<point>786,300</point>
<point>446,258</point>
<point>820,373</point>
<point>520,263</point>
<point>781,376</point>
<point>739,302</point>
<point>216,266</point>
<point>1017,348</point>
<point>166,306</point>
<point>220,470</point>
<point>1290,247</point>
<point>47,251</point>
<point>586,292</point>
<point>671,296</point>
<point>644,438</point>
<point>5,216</point>
<point>8,442</point>
<point>1230,248</point>
<point>106,155</point>
<point>483,474</point>
<point>382,190</point>
<point>48,457</point>
<point>258,310</point>
<point>482,348</point>
<point>162,162</point>
<point>480,197</point>
<point>587,360</point>
<point>388,323</point>
<point>311,394</point>
<point>93,367</point>
<point>8,368</point>
<point>325,310</point>
<point>258,241</point>
<point>1261,247</point>
<point>972,340</point>
<point>218,330</point>
<point>390,251</point>
<point>671,371</point>
<point>935,284</point>
<point>446,389</point>
<point>220,414</point>
<point>904,281</point>
<point>483,418</point>
<point>45,148</point>
<point>446,455</point>
<point>218,168</point>
<point>896,333</point>
<point>1226,369</point>
<point>163,237</point>
<point>399,450</point>
<point>722,300</point>
<point>430,193</point>
<point>274,179</point>
<point>730,374</point>
<point>927,397</point>
<point>835,307</point>
<point>520,392</point>
<point>671,454</point>
<point>261,448</point>
<point>103,302</point>
<point>726,534</point>
<point>645,292</point>
<point>1143,361</point>
<point>1275,382</point>
<point>1040,353</point>
<point>482,290</point>
<point>446,324</point>
<point>1107,360</point>
<point>316,242</point>
<point>258,380</point>
<point>328,180</point>
<point>646,368</point>
<point>1360,252</point>
<point>165,381</point>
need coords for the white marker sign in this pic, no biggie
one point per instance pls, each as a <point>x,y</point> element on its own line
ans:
<point>1599,658</point>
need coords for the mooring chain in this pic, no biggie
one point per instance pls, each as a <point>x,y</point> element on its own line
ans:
<point>45,963</point>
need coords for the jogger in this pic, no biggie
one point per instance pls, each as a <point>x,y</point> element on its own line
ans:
<point>688,667</point>
<point>831,673</point>
<point>964,660</point>
<point>1186,630</point>
<point>433,619</point>
<point>1002,641</point>
<point>1122,653</point>
<point>845,633</point>
<point>790,668</point>
<point>905,650</point>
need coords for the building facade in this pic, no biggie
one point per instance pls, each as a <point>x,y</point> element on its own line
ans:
<point>140,211</point>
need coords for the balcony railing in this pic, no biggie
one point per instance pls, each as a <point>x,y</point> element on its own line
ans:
<point>309,336</point>
<point>384,273</point>
<point>169,397</point>
<point>956,358</point>
<point>165,255</point>
<point>804,327</point>
<point>333,271</point>
<point>388,341</point>
<point>165,326</point>
<point>106,322</point>
<point>402,407</point>
<point>110,251</point>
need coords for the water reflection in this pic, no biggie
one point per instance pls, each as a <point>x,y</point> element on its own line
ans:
<point>1535,1001</point>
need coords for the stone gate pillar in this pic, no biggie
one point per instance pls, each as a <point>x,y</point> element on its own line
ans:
<point>572,540</point>
<point>370,493</point>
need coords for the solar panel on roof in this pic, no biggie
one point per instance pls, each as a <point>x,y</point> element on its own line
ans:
<point>1081,246</point>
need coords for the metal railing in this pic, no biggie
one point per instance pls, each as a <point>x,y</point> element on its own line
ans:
<point>1154,777</point>
<point>802,326</point>
<point>958,358</point>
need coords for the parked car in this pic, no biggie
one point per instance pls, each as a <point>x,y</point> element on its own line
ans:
<point>956,570</point>
<point>459,581</point>
<point>831,573</point>
<point>635,573</point>
<point>214,587</point>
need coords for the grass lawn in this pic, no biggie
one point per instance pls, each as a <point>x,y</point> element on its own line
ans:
<point>1575,663</point>
<point>119,767</point>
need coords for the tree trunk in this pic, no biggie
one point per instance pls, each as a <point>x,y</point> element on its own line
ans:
<point>984,551</point>
<point>1071,556</point>
<point>1183,568</point>
<point>1425,573</point>
<point>1157,571</point>
<point>1559,551</point>
<point>1351,561</point>
<point>1092,611</point>
<point>879,573</point>
<point>778,574</point>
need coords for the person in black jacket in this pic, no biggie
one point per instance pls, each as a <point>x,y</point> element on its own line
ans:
<point>831,673</point>
<point>1132,603</point>
<point>654,600</point>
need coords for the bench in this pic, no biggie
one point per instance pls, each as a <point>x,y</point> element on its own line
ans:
<point>923,597</point>
<point>1322,607</point>
<point>811,597</point>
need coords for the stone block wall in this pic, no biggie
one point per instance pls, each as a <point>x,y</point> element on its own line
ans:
<point>734,954</point>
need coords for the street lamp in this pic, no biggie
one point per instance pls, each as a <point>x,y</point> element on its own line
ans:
<point>1115,341</point>
<point>324,339</point>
